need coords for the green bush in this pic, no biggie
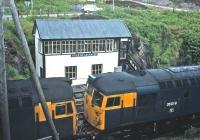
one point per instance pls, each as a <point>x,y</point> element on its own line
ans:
<point>171,35</point>
<point>12,73</point>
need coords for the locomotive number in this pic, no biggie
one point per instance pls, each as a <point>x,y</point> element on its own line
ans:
<point>170,104</point>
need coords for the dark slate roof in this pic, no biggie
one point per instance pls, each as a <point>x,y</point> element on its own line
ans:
<point>55,89</point>
<point>80,29</point>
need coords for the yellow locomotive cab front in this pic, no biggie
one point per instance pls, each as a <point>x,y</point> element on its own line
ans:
<point>100,109</point>
<point>93,110</point>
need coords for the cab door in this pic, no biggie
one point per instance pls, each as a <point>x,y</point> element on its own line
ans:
<point>42,126</point>
<point>112,112</point>
<point>128,108</point>
<point>63,118</point>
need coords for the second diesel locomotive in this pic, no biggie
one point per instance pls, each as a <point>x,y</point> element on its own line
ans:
<point>27,120</point>
<point>120,99</point>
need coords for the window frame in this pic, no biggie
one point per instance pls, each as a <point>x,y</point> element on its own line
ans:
<point>98,68</point>
<point>102,100</point>
<point>66,114</point>
<point>72,73</point>
<point>59,105</point>
<point>116,106</point>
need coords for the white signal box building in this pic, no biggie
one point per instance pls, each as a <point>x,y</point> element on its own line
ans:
<point>78,48</point>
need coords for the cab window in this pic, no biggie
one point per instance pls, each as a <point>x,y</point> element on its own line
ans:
<point>97,99</point>
<point>69,108</point>
<point>113,101</point>
<point>60,109</point>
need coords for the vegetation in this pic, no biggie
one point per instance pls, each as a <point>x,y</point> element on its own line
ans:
<point>174,37</point>
<point>47,6</point>
<point>175,3</point>
<point>16,66</point>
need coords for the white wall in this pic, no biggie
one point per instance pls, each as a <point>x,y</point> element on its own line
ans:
<point>55,65</point>
<point>38,56</point>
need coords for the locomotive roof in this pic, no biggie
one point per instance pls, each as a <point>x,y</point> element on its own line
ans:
<point>173,73</point>
<point>55,89</point>
<point>123,82</point>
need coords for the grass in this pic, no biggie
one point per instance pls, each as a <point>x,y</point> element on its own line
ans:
<point>163,31</point>
<point>174,37</point>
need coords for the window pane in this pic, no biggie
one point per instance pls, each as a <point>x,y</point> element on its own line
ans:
<point>117,101</point>
<point>110,102</point>
<point>97,99</point>
<point>54,49</point>
<point>46,49</point>
<point>69,108</point>
<point>71,72</point>
<point>60,109</point>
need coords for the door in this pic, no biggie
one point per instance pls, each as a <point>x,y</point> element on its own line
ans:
<point>128,108</point>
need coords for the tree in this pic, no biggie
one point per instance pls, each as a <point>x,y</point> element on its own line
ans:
<point>190,50</point>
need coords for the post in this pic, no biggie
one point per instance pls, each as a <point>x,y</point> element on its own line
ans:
<point>34,75</point>
<point>4,114</point>
<point>113,4</point>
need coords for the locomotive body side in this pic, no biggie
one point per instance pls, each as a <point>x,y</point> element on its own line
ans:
<point>157,95</point>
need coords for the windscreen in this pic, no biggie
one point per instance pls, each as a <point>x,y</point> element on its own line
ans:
<point>97,99</point>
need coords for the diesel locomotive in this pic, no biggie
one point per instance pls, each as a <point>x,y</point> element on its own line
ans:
<point>120,99</point>
<point>27,120</point>
<point>112,101</point>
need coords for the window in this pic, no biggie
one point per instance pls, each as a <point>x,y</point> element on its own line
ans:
<point>40,50</point>
<point>114,101</point>
<point>69,108</point>
<point>97,68</point>
<point>60,109</point>
<point>97,99</point>
<point>71,72</point>
<point>73,46</point>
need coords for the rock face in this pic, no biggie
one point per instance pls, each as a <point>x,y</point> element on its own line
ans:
<point>13,57</point>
